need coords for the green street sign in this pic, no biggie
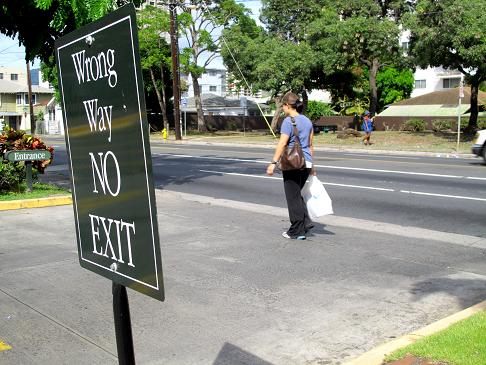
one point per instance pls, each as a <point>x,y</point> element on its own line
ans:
<point>27,155</point>
<point>107,141</point>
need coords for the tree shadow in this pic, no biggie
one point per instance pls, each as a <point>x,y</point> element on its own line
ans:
<point>233,355</point>
<point>467,291</point>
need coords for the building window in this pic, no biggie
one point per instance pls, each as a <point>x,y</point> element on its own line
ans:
<point>450,83</point>
<point>213,88</point>
<point>14,77</point>
<point>420,84</point>
<point>405,46</point>
<point>1,75</point>
<point>23,99</point>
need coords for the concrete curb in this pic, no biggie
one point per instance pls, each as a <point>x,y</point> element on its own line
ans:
<point>377,355</point>
<point>36,203</point>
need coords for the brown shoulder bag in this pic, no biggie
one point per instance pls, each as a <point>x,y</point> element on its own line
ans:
<point>293,158</point>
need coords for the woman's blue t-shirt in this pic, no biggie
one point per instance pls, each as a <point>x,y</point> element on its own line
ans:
<point>304,127</point>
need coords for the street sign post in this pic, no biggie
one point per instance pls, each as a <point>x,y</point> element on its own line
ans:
<point>100,82</point>
<point>28,156</point>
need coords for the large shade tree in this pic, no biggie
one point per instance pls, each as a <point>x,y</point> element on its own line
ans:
<point>38,23</point>
<point>153,25</point>
<point>452,34</point>
<point>363,33</point>
<point>201,25</point>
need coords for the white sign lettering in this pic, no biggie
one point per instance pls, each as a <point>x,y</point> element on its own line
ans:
<point>93,68</point>
<point>98,115</point>
<point>102,241</point>
<point>101,174</point>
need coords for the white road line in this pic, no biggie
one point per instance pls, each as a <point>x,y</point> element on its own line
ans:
<point>237,174</point>
<point>279,178</point>
<point>382,156</point>
<point>443,195</point>
<point>390,171</point>
<point>351,186</point>
<point>357,186</point>
<point>327,167</point>
<point>476,178</point>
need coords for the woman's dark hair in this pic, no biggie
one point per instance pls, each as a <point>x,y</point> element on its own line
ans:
<point>293,101</point>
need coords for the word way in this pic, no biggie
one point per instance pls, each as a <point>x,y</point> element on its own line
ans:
<point>98,116</point>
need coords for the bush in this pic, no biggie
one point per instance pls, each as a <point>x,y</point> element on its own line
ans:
<point>12,174</point>
<point>414,125</point>
<point>441,125</point>
<point>482,124</point>
<point>317,109</point>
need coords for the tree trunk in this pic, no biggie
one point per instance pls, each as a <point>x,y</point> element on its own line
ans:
<point>278,111</point>
<point>373,89</point>
<point>160,98</point>
<point>305,100</point>
<point>165,118</point>
<point>473,118</point>
<point>201,125</point>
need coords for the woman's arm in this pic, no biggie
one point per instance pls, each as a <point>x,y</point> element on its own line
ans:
<point>282,144</point>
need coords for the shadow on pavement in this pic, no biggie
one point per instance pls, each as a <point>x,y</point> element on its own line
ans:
<point>233,355</point>
<point>468,292</point>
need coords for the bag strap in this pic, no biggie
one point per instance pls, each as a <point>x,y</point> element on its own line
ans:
<point>296,131</point>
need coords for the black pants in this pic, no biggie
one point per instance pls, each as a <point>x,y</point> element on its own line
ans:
<point>293,183</point>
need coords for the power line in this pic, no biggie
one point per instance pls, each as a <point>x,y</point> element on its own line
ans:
<point>241,72</point>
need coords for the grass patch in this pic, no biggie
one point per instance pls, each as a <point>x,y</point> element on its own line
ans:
<point>390,140</point>
<point>463,343</point>
<point>39,190</point>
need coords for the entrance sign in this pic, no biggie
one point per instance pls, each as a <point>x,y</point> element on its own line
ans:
<point>27,155</point>
<point>107,139</point>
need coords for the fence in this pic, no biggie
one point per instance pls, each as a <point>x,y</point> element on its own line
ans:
<point>249,123</point>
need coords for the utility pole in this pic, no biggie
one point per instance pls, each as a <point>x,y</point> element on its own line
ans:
<point>174,46</point>
<point>31,107</point>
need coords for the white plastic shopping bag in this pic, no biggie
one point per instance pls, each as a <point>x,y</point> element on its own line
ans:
<point>316,198</point>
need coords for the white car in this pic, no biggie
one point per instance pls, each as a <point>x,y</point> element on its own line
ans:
<point>479,144</point>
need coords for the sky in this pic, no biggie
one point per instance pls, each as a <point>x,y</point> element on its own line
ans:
<point>11,55</point>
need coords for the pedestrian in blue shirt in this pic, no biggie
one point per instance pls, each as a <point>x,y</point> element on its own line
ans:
<point>294,180</point>
<point>367,127</point>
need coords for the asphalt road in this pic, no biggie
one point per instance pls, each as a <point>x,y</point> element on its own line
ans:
<point>236,291</point>
<point>440,193</point>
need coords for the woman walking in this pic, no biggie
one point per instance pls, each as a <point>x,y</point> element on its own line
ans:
<point>294,180</point>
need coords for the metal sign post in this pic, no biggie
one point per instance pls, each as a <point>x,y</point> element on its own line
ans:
<point>184,104</point>
<point>461,95</point>
<point>107,140</point>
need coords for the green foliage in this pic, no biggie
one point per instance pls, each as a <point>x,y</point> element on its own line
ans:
<point>441,125</point>
<point>463,343</point>
<point>360,33</point>
<point>317,109</point>
<point>414,125</point>
<point>12,174</point>
<point>482,124</point>
<point>393,85</point>
<point>450,33</point>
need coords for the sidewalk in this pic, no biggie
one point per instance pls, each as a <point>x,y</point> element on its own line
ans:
<point>237,292</point>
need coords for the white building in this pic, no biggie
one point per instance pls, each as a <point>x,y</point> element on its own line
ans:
<point>433,78</point>
<point>213,81</point>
